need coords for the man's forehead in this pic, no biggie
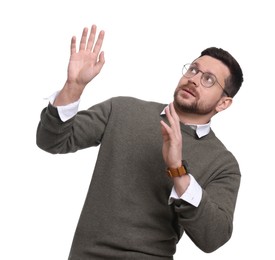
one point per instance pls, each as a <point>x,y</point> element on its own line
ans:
<point>210,64</point>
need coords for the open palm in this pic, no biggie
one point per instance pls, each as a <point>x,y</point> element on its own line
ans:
<point>85,64</point>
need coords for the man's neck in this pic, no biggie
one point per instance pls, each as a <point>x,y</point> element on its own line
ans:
<point>193,119</point>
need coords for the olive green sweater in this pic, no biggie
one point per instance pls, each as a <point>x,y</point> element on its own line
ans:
<point>126,213</point>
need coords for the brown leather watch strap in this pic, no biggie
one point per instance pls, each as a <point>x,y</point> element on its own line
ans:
<point>178,172</point>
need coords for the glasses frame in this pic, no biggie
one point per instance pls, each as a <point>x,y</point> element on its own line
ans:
<point>185,69</point>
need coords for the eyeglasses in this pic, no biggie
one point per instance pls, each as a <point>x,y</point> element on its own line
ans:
<point>207,79</point>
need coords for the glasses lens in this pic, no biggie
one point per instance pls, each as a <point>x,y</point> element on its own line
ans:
<point>189,70</point>
<point>208,80</point>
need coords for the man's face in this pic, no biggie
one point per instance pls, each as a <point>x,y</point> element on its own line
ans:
<point>192,97</point>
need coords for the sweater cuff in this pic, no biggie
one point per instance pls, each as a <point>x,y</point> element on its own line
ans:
<point>192,195</point>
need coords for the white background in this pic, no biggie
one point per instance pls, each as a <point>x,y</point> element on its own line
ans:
<point>146,44</point>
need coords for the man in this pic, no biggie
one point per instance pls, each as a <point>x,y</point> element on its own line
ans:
<point>160,171</point>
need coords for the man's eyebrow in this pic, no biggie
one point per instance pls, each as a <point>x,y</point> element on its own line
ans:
<point>204,71</point>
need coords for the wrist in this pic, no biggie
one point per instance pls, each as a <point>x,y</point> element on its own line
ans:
<point>181,184</point>
<point>175,165</point>
<point>70,93</point>
<point>183,169</point>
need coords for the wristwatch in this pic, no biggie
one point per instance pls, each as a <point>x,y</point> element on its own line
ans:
<point>178,172</point>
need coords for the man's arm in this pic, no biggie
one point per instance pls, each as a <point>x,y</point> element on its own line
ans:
<point>210,224</point>
<point>62,134</point>
<point>172,148</point>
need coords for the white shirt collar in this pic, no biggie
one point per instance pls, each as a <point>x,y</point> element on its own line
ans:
<point>201,130</point>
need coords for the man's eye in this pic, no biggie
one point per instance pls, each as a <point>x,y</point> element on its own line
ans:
<point>193,70</point>
<point>208,78</point>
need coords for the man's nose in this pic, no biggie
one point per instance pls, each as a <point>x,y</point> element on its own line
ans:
<point>196,79</point>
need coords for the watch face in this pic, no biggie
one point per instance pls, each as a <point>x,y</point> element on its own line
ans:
<point>185,165</point>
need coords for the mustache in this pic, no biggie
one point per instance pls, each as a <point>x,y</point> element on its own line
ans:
<point>188,88</point>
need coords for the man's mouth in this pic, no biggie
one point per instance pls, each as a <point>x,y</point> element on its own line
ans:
<point>189,91</point>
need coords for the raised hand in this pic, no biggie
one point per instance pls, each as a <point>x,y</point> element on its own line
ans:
<point>84,65</point>
<point>172,147</point>
<point>172,138</point>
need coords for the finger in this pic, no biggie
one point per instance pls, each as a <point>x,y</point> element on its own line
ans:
<point>82,45</point>
<point>99,42</point>
<point>165,126</point>
<point>73,45</point>
<point>169,115</point>
<point>165,130</point>
<point>91,39</point>
<point>175,117</point>
<point>173,112</point>
<point>173,121</point>
<point>101,59</point>
<point>100,63</point>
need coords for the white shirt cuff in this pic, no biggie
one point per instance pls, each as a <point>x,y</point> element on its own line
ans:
<point>192,195</point>
<point>65,112</point>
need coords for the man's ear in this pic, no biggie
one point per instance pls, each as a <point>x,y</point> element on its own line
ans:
<point>224,103</point>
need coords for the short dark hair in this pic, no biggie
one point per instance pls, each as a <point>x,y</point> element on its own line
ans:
<point>235,80</point>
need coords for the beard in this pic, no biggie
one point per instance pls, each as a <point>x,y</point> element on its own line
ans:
<point>193,108</point>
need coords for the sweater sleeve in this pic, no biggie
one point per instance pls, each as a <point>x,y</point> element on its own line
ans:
<point>83,130</point>
<point>210,225</point>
